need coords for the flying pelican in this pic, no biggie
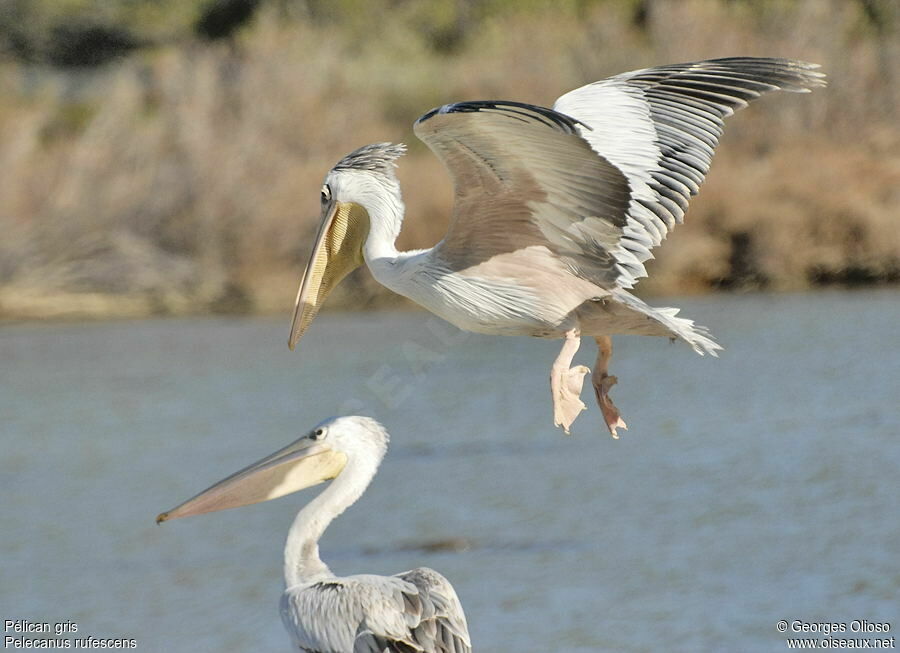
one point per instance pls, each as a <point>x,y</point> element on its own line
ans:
<point>555,211</point>
<point>416,611</point>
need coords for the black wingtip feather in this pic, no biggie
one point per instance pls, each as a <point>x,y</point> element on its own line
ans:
<point>516,110</point>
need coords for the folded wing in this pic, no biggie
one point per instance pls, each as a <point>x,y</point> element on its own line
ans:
<point>416,611</point>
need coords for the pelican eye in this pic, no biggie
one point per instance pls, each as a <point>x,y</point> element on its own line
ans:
<point>326,194</point>
<point>318,434</point>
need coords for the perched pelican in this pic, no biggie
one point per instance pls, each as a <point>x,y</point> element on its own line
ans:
<point>555,213</point>
<point>416,611</point>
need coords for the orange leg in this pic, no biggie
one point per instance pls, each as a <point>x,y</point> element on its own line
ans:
<point>602,383</point>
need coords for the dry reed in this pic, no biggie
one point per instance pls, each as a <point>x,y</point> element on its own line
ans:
<point>186,179</point>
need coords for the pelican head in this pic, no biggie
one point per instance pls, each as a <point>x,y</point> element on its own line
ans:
<point>365,177</point>
<point>320,455</point>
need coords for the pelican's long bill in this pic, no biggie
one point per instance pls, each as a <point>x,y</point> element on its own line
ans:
<point>299,465</point>
<point>336,253</point>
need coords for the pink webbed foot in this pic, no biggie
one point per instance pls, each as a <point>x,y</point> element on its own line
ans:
<point>565,383</point>
<point>566,388</point>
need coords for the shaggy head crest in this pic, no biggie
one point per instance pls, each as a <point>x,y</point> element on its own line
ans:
<point>378,158</point>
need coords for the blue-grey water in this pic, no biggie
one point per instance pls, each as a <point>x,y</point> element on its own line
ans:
<point>759,486</point>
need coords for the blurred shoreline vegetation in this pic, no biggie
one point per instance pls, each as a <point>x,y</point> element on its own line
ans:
<point>165,156</point>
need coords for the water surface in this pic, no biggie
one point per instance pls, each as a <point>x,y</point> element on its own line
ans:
<point>756,487</point>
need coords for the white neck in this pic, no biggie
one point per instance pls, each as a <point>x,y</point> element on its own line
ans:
<point>385,208</point>
<point>301,552</point>
<point>388,266</point>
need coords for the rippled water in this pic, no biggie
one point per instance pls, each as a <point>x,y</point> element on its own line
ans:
<point>756,487</point>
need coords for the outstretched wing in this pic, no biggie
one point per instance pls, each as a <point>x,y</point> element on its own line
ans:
<point>412,612</point>
<point>601,178</point>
